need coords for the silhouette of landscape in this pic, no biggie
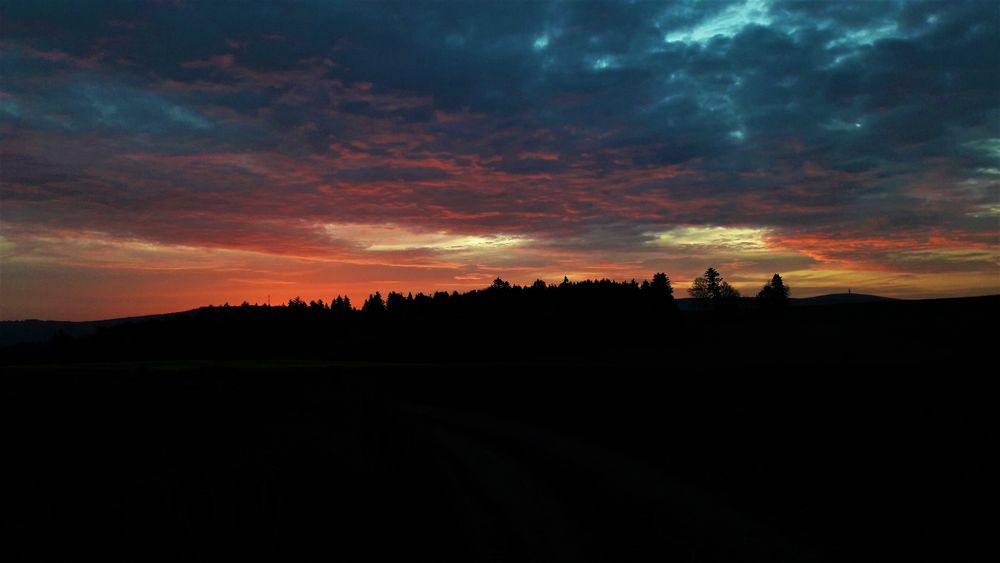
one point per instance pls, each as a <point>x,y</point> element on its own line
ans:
<point>591,420</point>
<point>593,320</point>
<point>493,281</point>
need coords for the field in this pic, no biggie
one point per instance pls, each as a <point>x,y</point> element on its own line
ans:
<point>201,460</point>
<point>842,432</point>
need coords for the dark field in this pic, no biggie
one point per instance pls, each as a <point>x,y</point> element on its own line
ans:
<point>841,449</point>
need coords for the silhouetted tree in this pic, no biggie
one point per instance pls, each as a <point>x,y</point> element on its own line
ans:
<point>395,303</point>
<point>711,290</point>
<point>661,284</point>
<point>632,311</point>
<point>341,305</point>
<point>774,294</point>
<point>659,295</point>
<point>374,304</point>
<point>707,286</point>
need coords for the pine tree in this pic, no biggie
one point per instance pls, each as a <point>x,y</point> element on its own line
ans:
<point>774,294</point>
<point>711,290</point>
<point>374,304</point>
<point>661,284</point>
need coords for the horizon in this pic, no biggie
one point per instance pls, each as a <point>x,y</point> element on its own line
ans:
<point>157,158</point>
<point>356,302</point>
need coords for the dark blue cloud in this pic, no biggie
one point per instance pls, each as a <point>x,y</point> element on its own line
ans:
<point>829,112</point>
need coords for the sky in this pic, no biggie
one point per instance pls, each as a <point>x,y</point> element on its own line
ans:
<point>160,156</point>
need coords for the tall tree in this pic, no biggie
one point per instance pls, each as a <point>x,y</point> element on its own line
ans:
<point>774,294</point>
<point>713,291</point>
<point>395,303</point>
<point>661,284</point>
<point>374,304</point>
<point>659,295</point>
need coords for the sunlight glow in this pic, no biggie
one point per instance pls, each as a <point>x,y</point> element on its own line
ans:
<point>383,238</point>
<point>742,238</point>
<point>97,250</point>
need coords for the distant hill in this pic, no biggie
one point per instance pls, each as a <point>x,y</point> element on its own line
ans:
<point>688,304</point>
<point>38,331</point>
<point>34,330</point>
<point>841,298</point>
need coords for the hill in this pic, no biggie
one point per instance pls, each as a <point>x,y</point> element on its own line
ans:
<point>615,324</point>
<point>34,330</point>
<point>568,423</point>
<point>840,299</point>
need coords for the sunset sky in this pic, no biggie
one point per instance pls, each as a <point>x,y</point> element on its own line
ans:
<point>159,156</point>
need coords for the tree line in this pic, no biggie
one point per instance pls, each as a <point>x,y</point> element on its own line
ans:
<point>504,320</point>
<point>710,291</point>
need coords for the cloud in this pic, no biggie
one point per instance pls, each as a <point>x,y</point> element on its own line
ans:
<point>604,139</point>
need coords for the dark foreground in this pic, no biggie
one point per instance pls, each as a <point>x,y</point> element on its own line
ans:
<point>491,462</point>
<point>853,433</point>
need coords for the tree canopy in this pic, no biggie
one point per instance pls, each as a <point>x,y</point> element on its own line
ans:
<point>774,294</point>
<point>374,304</point>
<point>712,290</point>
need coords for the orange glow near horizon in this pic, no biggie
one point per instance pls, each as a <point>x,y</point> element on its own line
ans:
<point>90,277</point>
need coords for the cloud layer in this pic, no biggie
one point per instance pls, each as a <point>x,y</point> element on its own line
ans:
<point>168,154</point>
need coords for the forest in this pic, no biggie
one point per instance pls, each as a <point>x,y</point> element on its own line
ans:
<point>576,321</point>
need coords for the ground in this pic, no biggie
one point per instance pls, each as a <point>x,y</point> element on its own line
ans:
<point>484,461</point>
